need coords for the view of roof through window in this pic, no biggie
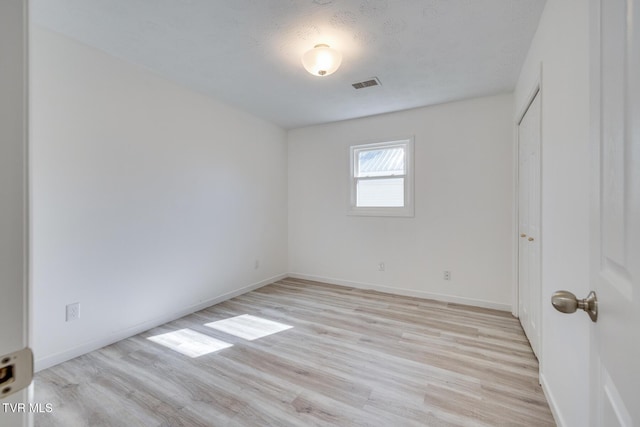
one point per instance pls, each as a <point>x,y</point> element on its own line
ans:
<point>381,162</point>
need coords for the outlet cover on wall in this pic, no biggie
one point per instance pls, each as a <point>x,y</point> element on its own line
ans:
<point>73,311</point>
<point>446,275</point>
<point>381,266</point>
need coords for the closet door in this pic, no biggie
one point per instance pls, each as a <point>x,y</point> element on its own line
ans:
<point>529,293</point>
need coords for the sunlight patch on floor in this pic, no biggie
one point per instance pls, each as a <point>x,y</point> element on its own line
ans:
<point>189,342</point>
<point>248,327</point>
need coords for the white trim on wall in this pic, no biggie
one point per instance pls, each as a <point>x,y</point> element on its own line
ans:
<point>405,292</point>
<point>85,348</point>
<point>55,359</point>
<point>553,404</point>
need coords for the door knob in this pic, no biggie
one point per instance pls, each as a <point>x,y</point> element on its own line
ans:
<point>523,235</point>
<point>566,302</point>
<point>530,239</point>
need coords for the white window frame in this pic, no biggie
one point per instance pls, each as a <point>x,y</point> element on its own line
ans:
<point>400,211</point>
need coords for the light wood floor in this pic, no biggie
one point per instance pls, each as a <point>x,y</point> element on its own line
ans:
<point>352,358</point>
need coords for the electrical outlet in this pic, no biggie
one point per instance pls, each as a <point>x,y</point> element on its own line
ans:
<point>381,266</point>
<point>73,311</point>
<point>256,264</point>
<point>446,275</point>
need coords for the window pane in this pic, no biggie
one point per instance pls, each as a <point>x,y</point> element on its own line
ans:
<point>380,193</point>
<point>381,162</point>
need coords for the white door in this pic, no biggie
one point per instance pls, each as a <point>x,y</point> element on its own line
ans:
<point>615,262</point>
<point>13,211</point>
<point>529,223</point>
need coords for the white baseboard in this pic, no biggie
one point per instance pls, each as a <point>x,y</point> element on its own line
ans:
<point>553,404</point>
<point>49,361</point>
<point>52,360</point>
<point>405,292</point>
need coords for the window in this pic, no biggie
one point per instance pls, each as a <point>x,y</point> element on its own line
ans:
<point>382,178</point>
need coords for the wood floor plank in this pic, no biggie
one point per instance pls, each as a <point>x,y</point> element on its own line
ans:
<point>352,358</point>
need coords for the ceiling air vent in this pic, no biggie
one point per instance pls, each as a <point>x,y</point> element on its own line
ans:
<point>368,83</point>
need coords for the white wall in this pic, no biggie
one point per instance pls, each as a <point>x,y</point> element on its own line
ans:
<point>149,200</point>
<point>561,44</point>
<point>463,205</point>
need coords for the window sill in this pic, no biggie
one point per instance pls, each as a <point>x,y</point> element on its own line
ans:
<point>384,212</point>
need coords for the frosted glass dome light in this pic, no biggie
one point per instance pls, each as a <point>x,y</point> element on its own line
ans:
<point>321,60</point>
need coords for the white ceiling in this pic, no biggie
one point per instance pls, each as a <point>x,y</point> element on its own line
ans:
<point>247,52</point>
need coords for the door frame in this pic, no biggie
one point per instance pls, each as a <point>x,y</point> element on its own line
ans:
<point>17,11</point>
<point>536,89</point>
<point>594,136</point>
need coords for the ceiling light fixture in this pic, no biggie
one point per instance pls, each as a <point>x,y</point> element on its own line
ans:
<point>321,60</point>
